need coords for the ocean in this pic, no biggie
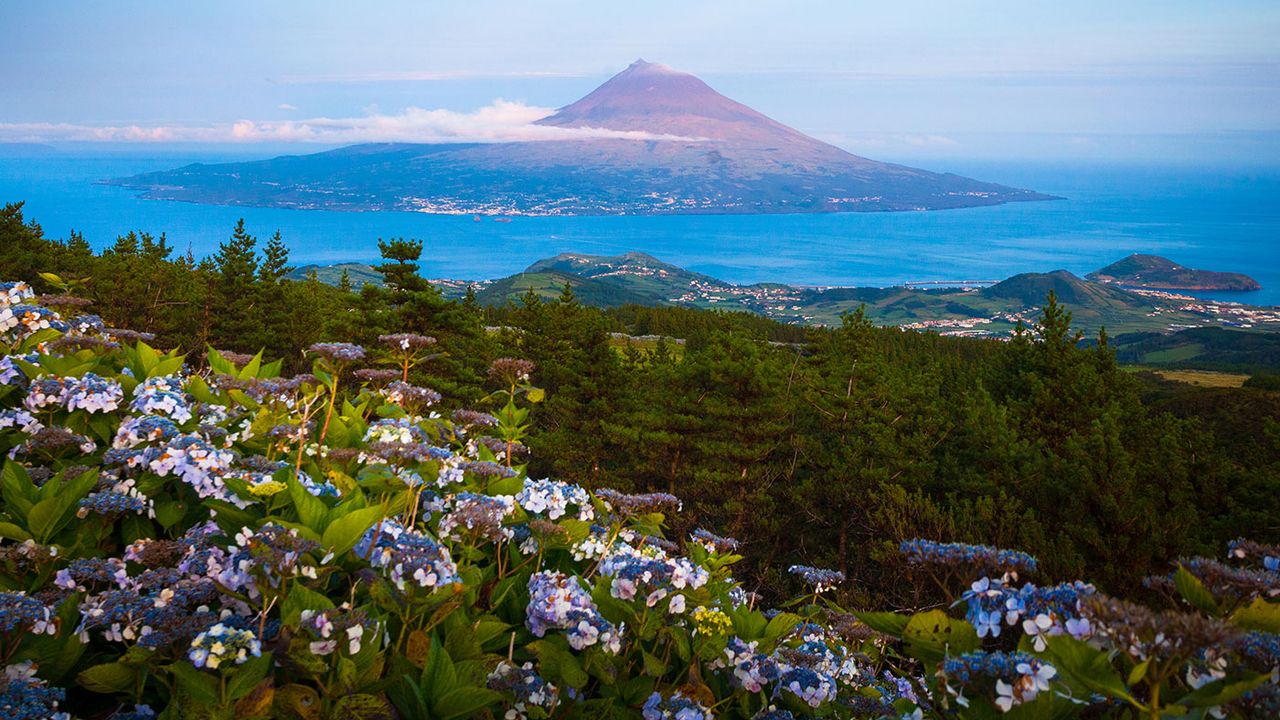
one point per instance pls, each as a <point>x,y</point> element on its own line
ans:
<point>1212,218</point>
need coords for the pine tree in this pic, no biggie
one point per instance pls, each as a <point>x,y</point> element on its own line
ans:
<point>401,273</point>
<point>566,295</point>
<point>236,260</point>
<point>275,260</point>
<point>344,282</point>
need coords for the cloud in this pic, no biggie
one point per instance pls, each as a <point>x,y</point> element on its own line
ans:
<point>500,121</point>
<point>286,106</point>
<point>421,76</point>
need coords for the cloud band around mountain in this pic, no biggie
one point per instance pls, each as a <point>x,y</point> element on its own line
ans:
<point>500,121</point>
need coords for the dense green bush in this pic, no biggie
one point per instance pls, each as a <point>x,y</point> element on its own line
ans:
<point>231,542</point>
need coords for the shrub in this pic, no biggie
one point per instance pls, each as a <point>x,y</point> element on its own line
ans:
<point>226,542</point>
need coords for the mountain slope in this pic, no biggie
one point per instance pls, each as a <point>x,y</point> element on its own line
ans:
<point>650,140</point>
<point>1153,271</point>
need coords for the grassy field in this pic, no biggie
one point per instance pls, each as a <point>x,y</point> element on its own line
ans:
<point>1204,378</point>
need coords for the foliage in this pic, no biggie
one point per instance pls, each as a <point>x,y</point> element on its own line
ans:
<point>234,542</point>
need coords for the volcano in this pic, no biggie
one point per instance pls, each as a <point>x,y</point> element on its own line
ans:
<point>650,140</point>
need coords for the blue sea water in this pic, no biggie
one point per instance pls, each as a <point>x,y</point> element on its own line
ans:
<point>1213,218</point>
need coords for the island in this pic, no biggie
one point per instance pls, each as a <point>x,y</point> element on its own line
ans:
<point>1156,273</point>
<point>650,141</point>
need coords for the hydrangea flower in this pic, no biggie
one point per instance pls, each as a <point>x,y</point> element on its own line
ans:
<point>220,644</point>
<point>20,611</point>
<point>23,696</point>
<point>553,498</point>
<point>812,687</point>
<point>93,394</point>
<point>558,602</point>
<point>978,557</point>
<point>1019,677</point>
<point>527,687</point>
<point>479,516</point>
<point>407,555</point>
<point>675,707</point>
<point>197,462</point>
<point>820,579</point>
<point>162,396</point>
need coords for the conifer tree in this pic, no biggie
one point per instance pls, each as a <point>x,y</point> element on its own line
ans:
<point>400,273</point>
<point>236,259</point>
<point>275,260</point>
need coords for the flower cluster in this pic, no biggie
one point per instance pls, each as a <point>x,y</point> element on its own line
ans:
<point>1042,611</point>
<point>162,396</point>
<point>552,499</point>
<point>819,579</point>
<point>981,559</point>
<point>527,688</point>
<point>1019,677</point>
<point>675,707</point>
<point>23,696</point>
<point>220,644</point>
<point>407,555</point>
<point>558,602</point>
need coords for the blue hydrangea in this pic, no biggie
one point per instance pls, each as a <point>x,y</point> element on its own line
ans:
<point>674,707</point>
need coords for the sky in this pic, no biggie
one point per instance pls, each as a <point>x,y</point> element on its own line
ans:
<point>1086,78</point>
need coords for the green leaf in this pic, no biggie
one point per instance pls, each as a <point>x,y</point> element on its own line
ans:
<point>16,488</point>
<point>889,623</point>
<point>558,662</point>
<point>44,518</point>
<point>1088,667</point>
<point>361,707</point>
<point>780,625</point>
<point>1258,615</point>
<point>13,532</point>
<point>464,702</point>
<point>302,598</point>
<point>1221,692</point>
<point>109,678</point>
<point>311,510</point>
<point>653,665</point>
<point>1138,672</point>
<point>343,533</point>
<point>932,635</point>
<point>201,687</point>
<point>247,676</point>
<point>439,676</point>
<point>1194,592</point>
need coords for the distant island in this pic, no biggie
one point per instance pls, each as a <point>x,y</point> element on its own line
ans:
<point>976,310</point>
<point>649,141</point>
<point>1157,273</point>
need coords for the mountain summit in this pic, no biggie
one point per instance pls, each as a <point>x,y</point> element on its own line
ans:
<point>649,97</point>
<point>650,140</point>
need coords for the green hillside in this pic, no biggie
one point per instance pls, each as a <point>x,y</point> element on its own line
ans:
<point>640,279</point>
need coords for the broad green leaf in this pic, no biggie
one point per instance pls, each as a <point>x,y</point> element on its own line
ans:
<point>200,686</point>
<point>889,623</point>
<point>1194,591</point>
<point>439,676</point>
<point>361,707</point>
<point>1258,615</point>
<point>108,678</point>
<point>311,510</point>
<point>1087,667</point>
<point>1221,692</point>
<point>932,635</point>
<point>344,532</point>
<point>464,702</point>
<point>247,676</point>
<point>302,598</point>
